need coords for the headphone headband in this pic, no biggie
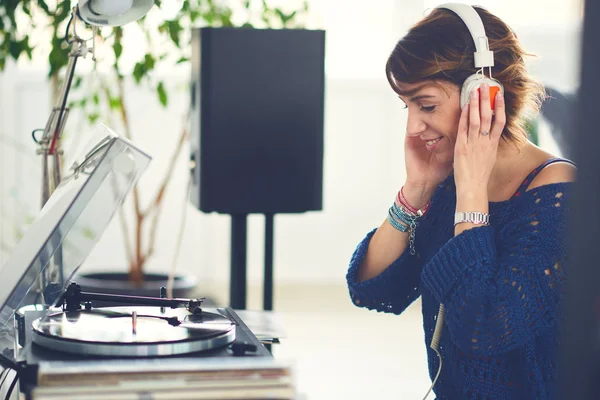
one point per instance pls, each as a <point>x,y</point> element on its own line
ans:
<point>483,56</point>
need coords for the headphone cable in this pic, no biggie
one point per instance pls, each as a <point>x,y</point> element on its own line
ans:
<point>435,344</point>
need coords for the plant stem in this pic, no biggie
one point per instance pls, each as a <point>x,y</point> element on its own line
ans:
<point>156,206</point>
<point>137,263</point>
<point>122,217</point>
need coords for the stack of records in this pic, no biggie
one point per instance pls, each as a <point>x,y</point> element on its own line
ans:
<point>243,378</point>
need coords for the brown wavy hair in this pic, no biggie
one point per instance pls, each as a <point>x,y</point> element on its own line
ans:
<point>440,48</point>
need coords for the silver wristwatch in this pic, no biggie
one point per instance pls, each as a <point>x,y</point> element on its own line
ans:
<point>477,218</point>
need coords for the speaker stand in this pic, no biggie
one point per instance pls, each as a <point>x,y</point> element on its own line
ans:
<point>268,278</point>
<point>238,277</point>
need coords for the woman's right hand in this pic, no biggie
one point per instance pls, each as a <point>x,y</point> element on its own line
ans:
<point>424,172</point>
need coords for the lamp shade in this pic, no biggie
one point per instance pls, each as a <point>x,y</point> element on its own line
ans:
<point>113,12</point>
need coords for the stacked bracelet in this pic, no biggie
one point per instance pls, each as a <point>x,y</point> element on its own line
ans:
<point>401,200</point>
<point>403,217</point>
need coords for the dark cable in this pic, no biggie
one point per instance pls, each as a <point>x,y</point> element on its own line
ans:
<point>62,108</point>
<point>33,135</point>
<point>12,386</point>
<point>67,30</point>
<point>64,104</point>
<point>7,370</point>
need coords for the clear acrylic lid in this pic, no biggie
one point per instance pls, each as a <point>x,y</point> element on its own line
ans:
<point>69,225</point>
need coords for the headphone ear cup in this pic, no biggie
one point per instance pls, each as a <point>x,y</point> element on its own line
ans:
<point>470,84</point>
<point>473,82</point>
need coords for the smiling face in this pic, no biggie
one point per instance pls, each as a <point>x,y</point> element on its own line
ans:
<point>433,115</point>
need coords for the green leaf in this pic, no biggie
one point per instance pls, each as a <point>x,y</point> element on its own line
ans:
<point>149,62</point>
<point>118,49</point>
<point>96,99</point>
<point>65,11</point>
<point>280,14</point>
<point>114,103</point>
<point>174,30</point>
<point>164,27</point>
<point>15,49</point>
<point>26,8</point>
<point>138,72</point>
<point>58,57</point>
<point>226,17</point>
<point>93,117</point>
<point>283,16</point>
<point>27,48</point>
<point>209,18</point>
<point>291,16</point>
<point>194,15</point>
<point>78,81</point>
<point>182,60</point>
<point>141,69</point>
<point>42,4</point>
<point>162,94</point>
<point>11,7</point>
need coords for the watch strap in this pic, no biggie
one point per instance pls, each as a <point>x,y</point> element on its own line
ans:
<point>473,217</point>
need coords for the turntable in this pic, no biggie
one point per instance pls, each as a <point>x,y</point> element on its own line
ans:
<point>60,343</point>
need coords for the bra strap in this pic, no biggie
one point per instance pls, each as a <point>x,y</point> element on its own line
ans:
<point>536,171</point>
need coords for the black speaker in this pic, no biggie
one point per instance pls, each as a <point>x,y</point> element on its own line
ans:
<point>257,122</point>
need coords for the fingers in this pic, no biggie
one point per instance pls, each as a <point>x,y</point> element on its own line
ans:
<point>474,119</point>
<point>485,109</point>
<point>463,125</point>
<point>500,117</point>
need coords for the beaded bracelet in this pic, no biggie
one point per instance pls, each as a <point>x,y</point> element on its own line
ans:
<point>397,223</point>
<point>401,200</point>
<point>403,217</point>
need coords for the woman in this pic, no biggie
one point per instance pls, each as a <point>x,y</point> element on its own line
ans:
<point>498,269</point>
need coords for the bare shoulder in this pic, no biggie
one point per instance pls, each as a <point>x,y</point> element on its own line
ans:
<point>557,172</point>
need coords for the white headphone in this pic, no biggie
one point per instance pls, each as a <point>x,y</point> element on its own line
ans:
<point>483,56</point>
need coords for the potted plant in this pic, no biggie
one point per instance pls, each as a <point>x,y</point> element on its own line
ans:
<point>168,23</point>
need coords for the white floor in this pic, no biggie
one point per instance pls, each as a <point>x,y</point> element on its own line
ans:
<point>344,352</point>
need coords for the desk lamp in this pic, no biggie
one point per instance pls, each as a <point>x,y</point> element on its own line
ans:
<point>96,13</point>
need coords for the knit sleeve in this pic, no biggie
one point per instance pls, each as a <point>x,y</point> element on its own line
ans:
<point>391,291</point>
<point>502,290</point>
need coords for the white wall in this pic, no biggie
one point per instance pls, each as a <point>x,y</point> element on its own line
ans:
<point>364,165</point>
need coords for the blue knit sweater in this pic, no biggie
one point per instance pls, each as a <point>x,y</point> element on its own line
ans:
<point>501,285</point>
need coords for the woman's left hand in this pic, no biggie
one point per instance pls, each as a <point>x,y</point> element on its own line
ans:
<point>477,142</point>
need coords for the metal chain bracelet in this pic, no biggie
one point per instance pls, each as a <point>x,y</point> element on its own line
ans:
<point>411,236</point>
<point>403,217</point>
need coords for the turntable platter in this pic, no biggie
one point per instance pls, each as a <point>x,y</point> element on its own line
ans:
<point>133,331</point>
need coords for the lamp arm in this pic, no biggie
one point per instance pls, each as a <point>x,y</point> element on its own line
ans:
<point>49,144</point>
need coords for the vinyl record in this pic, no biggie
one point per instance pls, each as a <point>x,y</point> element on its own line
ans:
<point>133,331</point>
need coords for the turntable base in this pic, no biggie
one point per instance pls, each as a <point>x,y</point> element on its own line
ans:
<point>133,331</point>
